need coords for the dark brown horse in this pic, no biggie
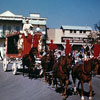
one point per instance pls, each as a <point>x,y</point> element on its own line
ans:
<point>28,60</point>
<point>61,71</point>
<point>47,63</point>
<point>83,72</point>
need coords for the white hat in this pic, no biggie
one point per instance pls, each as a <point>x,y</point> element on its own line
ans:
<point>37,29</point>
<point>27,20</point>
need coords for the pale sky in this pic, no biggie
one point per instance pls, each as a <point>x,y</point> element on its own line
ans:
<point>57,12</point>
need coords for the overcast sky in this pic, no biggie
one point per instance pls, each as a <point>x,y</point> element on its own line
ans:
<point>57,12</point>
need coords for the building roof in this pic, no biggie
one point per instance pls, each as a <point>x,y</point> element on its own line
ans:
<point>33,18</point>
<point>76,27</point>
<point>8,13</point>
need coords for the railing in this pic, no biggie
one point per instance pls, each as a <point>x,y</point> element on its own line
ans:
<point>2,35</point>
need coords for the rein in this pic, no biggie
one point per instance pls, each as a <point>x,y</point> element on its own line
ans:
<point>83,68</point>
<point>29,57</point>
<point>61,66</point>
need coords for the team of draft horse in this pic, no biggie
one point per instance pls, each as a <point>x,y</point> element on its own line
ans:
<point>58,71</point>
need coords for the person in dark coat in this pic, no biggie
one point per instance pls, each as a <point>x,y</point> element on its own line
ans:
<point>87,48</point>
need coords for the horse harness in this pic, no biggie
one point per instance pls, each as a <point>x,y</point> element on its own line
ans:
<point>61,66</point>
<point>83,68</point>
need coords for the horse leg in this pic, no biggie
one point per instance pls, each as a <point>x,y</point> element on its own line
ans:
<point>55,81</point>
<point>47,77</point>
<point>78,87</point>
<point>29,71</point>
<point>23,69</point>
<point>75,90</point>
<point>82,96</point>
<point>61,84</point>
<point>74,81</point>
<point>90,85</point>
<point>52,79</point>
<point>65,89</point>
<point>44,74</point>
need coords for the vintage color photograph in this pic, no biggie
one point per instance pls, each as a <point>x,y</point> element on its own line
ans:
<point>49,50</point>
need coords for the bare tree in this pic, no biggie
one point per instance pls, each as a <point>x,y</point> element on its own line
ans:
<point>97,26</point>
<point>92,37</point>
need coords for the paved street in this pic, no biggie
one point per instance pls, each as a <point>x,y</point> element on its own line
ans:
<point>17,87</point>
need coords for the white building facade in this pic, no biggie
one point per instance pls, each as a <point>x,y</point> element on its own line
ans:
<point>10,22</point>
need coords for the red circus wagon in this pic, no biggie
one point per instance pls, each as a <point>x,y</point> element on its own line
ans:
<point>17,45</point>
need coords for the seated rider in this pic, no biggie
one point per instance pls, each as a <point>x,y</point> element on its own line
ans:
<point>27,28</point>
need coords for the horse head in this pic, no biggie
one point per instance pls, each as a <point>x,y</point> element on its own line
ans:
<point>49,57</point>
<point>66,63</point>
<point>29,60</point>
<point>45,60</point>
<point>32,53</point>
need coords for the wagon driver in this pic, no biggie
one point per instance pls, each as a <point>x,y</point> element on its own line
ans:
<point>27,28</point>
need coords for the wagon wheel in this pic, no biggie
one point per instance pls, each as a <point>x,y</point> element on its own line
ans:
<point>14,68</point>
<point>5,64</point>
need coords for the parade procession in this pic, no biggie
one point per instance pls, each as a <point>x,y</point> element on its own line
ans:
<point>63,61</point>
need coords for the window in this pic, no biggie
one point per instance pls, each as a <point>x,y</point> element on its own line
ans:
<point>80,31</point>
<point>9,28</point>
<point>84,31</point>
<point>4,29</point>
<point>17,28</point>
<point>70,31</point>
<point>74,31</point>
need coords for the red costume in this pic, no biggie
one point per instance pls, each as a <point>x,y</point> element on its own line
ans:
<point>52,46</point>
<point>96,50</point>
<point>68,48</point>
<point>27,44</point>
<point>36,40</point>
